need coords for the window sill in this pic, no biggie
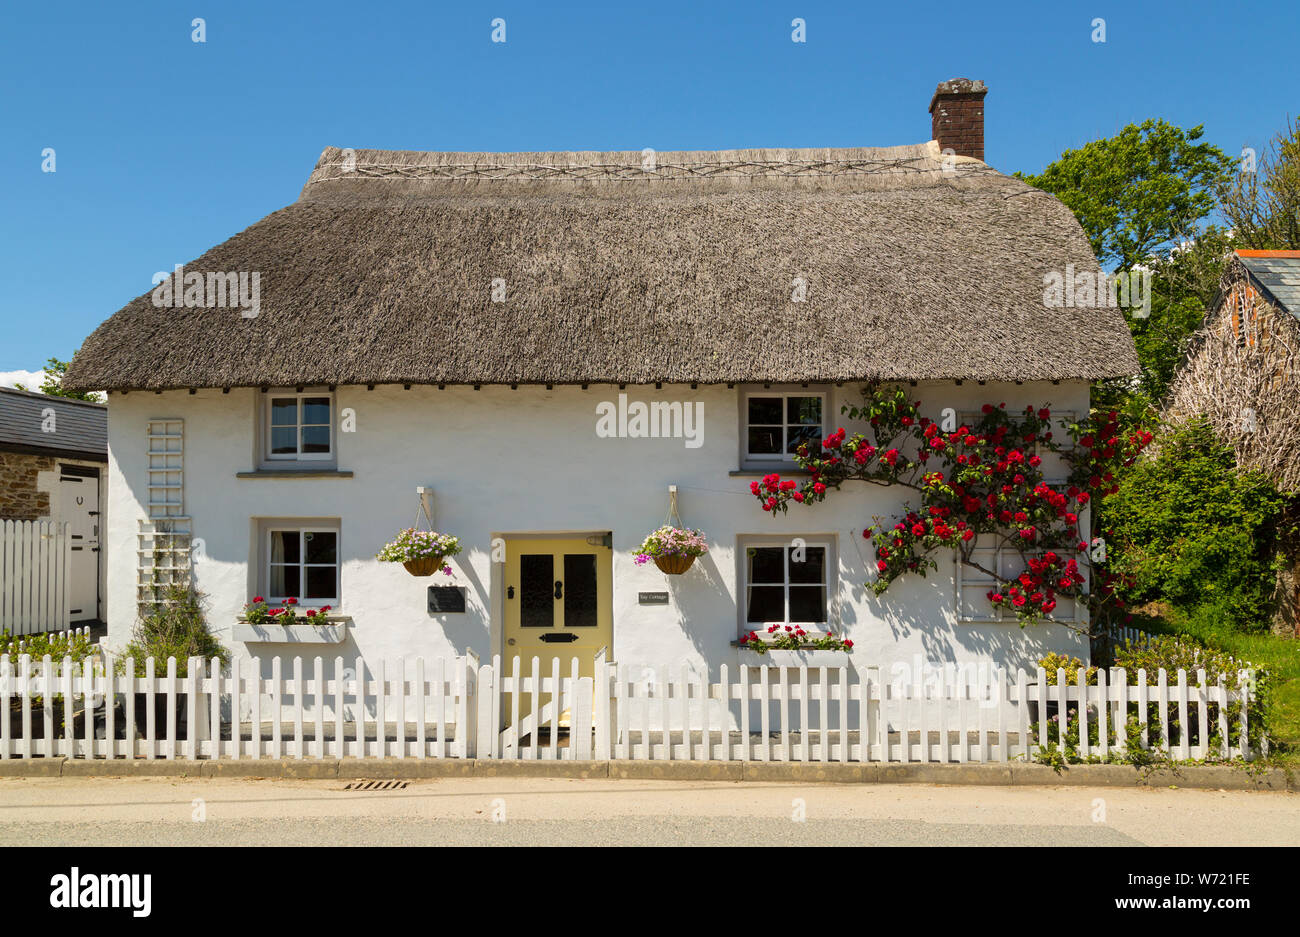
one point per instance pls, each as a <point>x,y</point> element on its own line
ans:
<point>783,469</point>
<point>294,473</point>
<point>332,631</point>
<point>804,657</point>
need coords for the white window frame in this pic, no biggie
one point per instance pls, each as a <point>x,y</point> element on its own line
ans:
<point>271,530</point>
<point>783,457</point>
<point>299,456</point>
<point>785,544</point>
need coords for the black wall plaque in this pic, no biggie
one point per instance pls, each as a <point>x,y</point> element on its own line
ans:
<point>652,598</point>
<point>446,599</point>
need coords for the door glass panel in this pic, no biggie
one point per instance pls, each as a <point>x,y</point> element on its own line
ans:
<point>536,590</point>
<point>579,590</point>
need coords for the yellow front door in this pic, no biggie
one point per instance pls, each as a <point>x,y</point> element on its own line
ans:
<point>559,605</point>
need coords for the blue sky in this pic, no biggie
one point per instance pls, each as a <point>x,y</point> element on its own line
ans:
<point>165,147</point>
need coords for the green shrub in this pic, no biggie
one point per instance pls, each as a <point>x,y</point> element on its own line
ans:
<point>1174,654</point>
<point>58,646</point>
<point>1053,662</point>
<point>1188,529</point>
<point>176,628</point>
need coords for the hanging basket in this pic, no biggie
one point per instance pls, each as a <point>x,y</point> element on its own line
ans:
<point>424,566</point>
<point>675,564</point>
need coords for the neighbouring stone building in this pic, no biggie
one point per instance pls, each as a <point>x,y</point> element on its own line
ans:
<point>53,461</point>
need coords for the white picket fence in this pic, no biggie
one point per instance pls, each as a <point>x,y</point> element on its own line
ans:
<point>35,560</point>
<point>460,708</point>
<point>364,710</point>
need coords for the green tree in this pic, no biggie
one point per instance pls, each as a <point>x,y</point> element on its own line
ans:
<point>1263,206</point>
<point>1139,193</point>
<point>1142,198</point>
<point>52,384</point>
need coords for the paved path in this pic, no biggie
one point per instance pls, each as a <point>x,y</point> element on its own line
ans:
<point>541,811</point>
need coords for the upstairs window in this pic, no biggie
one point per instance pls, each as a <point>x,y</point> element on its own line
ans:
<point>299,427</point>
<point>778,423</point>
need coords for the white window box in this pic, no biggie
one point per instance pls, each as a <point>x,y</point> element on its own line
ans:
<point>783,658</point>
<point>332,632</point>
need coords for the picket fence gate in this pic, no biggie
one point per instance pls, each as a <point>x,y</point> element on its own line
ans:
<point>461,708</point>
<point>35,562</point>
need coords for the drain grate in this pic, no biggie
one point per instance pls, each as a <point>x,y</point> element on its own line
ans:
<point>375,785</point>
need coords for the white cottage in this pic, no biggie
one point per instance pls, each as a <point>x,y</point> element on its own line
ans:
<point>465,324</point>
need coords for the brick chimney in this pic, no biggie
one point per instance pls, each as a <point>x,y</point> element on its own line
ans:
<point>957,116</point>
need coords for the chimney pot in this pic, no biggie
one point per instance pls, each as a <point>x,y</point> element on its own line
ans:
<point>957,116</point>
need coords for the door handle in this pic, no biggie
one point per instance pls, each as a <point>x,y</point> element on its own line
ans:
<point>510,592</point>
<point>559,589</point>
<point>558,636</point>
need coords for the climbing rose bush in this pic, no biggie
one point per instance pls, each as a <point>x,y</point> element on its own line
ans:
<point>978,484</point>
<point>671,541</point>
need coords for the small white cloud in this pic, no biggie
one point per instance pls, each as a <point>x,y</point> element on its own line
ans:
<point>29,379</point>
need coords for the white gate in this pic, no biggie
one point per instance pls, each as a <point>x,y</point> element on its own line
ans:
<point>35,561</point>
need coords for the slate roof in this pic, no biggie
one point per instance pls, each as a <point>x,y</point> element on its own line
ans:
<point>1278,274</point>
<point>80,428</point>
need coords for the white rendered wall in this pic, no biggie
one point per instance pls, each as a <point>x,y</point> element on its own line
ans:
<point>504,462</point>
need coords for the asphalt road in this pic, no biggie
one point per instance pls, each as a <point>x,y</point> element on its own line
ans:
<point>524,811</point>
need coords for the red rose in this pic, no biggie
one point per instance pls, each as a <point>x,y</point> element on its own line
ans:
<point>819,488</point>
<point>882,566</point>
<point>967,534</point>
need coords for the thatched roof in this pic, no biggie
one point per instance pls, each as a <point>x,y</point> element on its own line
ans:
<point>620,271</point>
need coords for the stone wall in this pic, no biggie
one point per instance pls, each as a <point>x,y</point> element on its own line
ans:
<point>19,497</point>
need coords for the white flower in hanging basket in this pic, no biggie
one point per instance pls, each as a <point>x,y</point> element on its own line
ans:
<point>673,549</point>
<point>421,551</point>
